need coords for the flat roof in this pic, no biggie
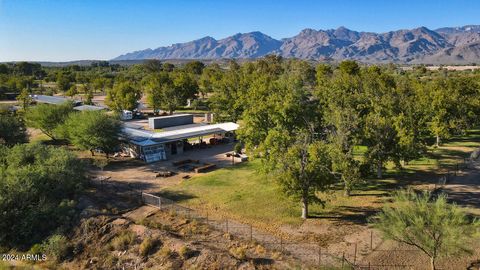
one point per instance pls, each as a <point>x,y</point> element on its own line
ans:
<point>52,99</point>
<point>183,126</point>
<point>170,116</point>
<point>145,137</point>
<point>89,108</point>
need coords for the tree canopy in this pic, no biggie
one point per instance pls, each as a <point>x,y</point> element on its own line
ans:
<point>93,130</point>
<point>432,225</point>
<point>38,188</point>
<point>49,118</point>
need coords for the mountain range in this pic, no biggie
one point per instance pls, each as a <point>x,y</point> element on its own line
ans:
<point>448,45</point>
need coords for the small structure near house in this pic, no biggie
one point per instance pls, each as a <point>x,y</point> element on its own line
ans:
<point>170,121</point>
<point>54,100</point>
<point>89,108</point>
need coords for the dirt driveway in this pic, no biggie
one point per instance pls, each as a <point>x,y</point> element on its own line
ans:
<point>464,189</point>
<point>142,176</point>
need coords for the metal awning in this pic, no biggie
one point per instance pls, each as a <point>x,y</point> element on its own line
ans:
<point>89,108</point>
<point>138,136</point>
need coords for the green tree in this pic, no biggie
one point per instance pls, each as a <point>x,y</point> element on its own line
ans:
<point>100,84</point>
<point>64,82</point>
<point>49,118</point>
<point>24,98</point>
<point>72,91</point>
<point>153,65</point>
<point>123,96</point>
<point>39,185</point>
<point>12,129</point>
<point>432,225</point>
<point>194,67</point>
<point>304,169</point>
<point>157,88</point>
<point>91,130</point>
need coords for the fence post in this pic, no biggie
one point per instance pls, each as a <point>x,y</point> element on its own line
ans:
<point>226,224</point>
<point>343,259</point>
<point>251,233</point>
<point>319,256</point>
<point>355,255</point>
<point>371,240</point>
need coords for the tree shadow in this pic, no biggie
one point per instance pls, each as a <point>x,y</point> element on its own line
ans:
<point>175,196</point>
<point>352,215</point>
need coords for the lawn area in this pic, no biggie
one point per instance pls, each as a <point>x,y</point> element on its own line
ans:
<point>242,193</point>
<point>245,194</point>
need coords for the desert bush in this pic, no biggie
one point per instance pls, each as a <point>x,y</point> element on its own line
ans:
<point>239,252</point>
<point>147,246</point>
<point>38,199</point>
<point>57,246</point>
<point>165,251</point>
<point>185,252</point>
<point>259,249</point>
<point>123,241</point>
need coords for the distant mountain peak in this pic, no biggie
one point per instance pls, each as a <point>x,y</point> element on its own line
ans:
<point>417,45</point>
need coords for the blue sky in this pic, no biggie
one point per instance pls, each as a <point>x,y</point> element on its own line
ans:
<point>64,30</point>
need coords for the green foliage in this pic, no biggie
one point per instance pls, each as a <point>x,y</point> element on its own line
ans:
<point>168,91</point>
<point>24,99</point>
<point>12,129</point>
<point>432,225</point>
<point>64,82</point>
<point>91,130</point>
<point>49,118</point>
<point>72,91</point>
<point>124,240</point>
<point>123,96</point>
<point>194,67</point>
<point>146,247</point>
<point>37,191</point>
<point>152,65</point>
<point>57,246</point>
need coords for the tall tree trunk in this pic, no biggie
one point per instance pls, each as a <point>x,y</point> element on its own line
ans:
<point>437,143</point>
<point>347,191</point>
<point>432,263</point>
<point>379,169</point>
<point>304,207</point>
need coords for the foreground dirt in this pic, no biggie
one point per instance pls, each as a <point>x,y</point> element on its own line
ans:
<point>175,243</point>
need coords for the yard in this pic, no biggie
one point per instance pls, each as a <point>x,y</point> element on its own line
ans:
<point>245,194</point>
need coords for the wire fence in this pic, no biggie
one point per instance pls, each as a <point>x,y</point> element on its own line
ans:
<point>307,253</point>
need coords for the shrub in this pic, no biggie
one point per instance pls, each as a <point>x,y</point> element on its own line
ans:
<point>146,246</point>
<point>42,181</point>
<point>36,249</point>
<point>165,251</point>
<point>57,246</point>
<point>185,252</point>
<point>259,249</point>
<point>123,241</point>
<point>239,252</point>
<point>238,148</point>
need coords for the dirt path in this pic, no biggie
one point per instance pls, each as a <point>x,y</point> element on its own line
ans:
<point>464,189</point>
